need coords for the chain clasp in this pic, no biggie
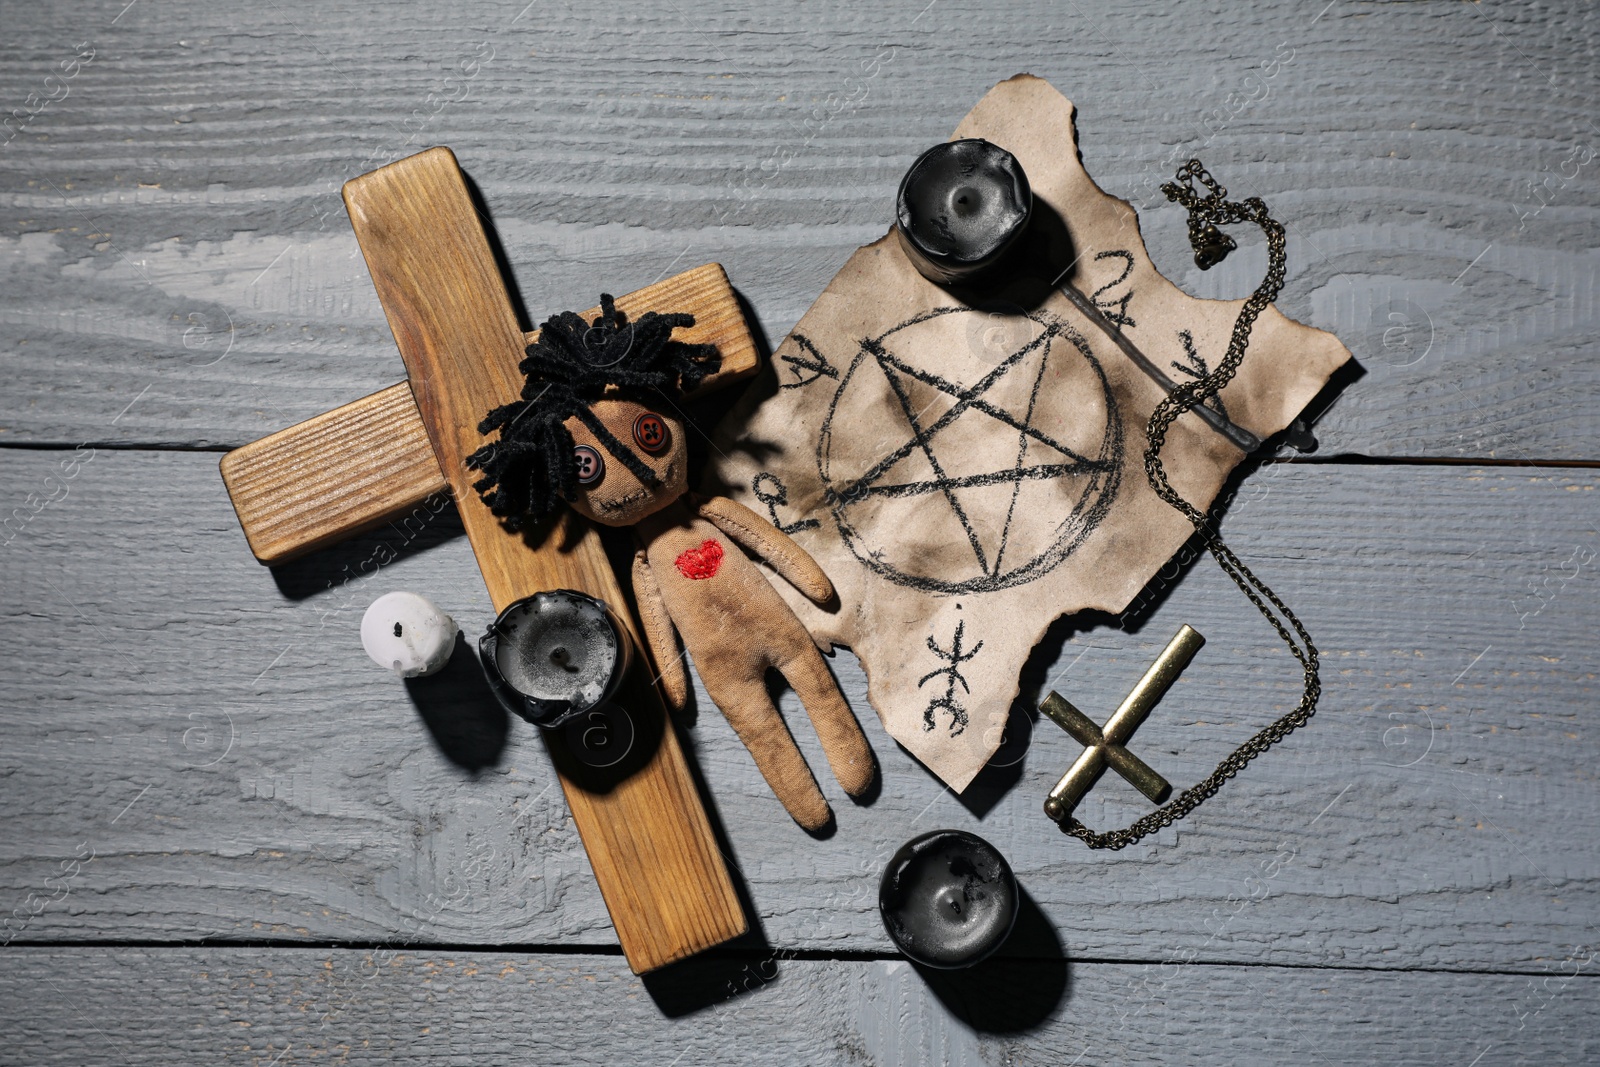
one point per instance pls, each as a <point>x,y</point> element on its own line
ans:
<point>1211,246</point>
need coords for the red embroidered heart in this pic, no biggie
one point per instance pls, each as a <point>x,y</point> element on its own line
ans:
<point>702,562</point>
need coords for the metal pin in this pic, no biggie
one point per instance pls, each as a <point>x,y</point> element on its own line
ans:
<point>1242,439</point>
<point>1105,747</point>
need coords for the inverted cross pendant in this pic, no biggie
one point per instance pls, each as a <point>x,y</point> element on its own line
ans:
<point>1105,747</point>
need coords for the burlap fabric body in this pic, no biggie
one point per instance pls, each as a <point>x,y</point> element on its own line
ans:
<point>692,580</point>
<point>966,474</point>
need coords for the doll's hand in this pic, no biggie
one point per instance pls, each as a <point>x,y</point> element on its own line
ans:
<point>737,628</point>
<point>659,636</point>
<point>771,544</point>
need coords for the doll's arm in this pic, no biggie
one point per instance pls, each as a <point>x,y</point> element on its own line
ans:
<point>770,543</point>
<point>659,634</point>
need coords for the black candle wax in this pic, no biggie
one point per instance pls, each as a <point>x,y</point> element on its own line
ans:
<point>948,899</point>
<point>554,655</point>
<point>961,207</point>
<point>558,649</point>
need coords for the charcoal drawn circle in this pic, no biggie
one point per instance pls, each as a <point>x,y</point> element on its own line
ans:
<point>990,474</point>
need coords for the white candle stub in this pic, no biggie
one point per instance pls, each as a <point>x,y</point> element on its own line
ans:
<point>408,634</point>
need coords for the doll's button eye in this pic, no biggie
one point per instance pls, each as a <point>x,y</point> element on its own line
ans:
<point>591,468</point>
<point>650,432</point>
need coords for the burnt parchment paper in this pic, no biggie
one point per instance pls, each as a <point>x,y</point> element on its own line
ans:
<point>968,467</point>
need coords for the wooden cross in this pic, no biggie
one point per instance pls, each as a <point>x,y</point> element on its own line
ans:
<point>1104,748</point>
<point>654,856</point>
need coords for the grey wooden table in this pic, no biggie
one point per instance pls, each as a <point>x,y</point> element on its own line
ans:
<point>226,838</point>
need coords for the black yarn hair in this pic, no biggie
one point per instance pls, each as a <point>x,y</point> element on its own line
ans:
<point>532,467</point>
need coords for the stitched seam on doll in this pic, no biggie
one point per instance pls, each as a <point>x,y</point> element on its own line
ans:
<point>655,630</point>
<point>716,515</point>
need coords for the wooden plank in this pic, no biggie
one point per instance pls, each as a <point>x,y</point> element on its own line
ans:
<point>216,225</point>
<point>654,857</point>
<point>282,787</point>
<point>339,474</point>
<point>361,465</point>
<point>130,1006</point>
<point>189,281</point>
<point>1514,370</point>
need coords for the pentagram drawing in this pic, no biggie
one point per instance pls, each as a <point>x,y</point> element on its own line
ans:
<point>967,465</point>
<point>991,471</point>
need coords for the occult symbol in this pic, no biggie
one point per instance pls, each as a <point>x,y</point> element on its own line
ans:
<point>991,484</point>
<point>953,657</point>
<point>1213,247</point>
<point>1103,748</point>
<point>774,497</point>
<point>1196,368</point>
<point>1116,309</point>
<point>816,366</point>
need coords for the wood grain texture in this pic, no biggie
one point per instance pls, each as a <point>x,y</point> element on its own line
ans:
<point>342,473</point>
<point>659,869</point>
<point>179,273</point>
<point>370,461</point>
<point>182,201</point>
<point>282,787</point>
<point>391,1005</point>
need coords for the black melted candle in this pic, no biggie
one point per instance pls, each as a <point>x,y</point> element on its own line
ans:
<point>555,655</point>
<point>948,899</point>
<point>961,207</point>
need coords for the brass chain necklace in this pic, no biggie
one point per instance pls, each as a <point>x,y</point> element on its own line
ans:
<point>1208,211</point>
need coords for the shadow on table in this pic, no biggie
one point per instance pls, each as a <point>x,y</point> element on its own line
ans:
<point>1014,991</point>
<point>461,712</point>
<point>338,568</point>
<point>729,970</point>
<point>1018,988</point>
<point>743,965</point>
<point>1005,767</point>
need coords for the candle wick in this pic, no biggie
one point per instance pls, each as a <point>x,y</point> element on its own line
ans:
<point>966,202</point>
<point>397,629</point>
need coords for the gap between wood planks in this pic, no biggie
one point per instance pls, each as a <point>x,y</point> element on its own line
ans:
<point>1351,459</point>
<point>757,952</point>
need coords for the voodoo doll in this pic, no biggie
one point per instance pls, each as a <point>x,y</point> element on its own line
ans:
<point>591,430</point>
